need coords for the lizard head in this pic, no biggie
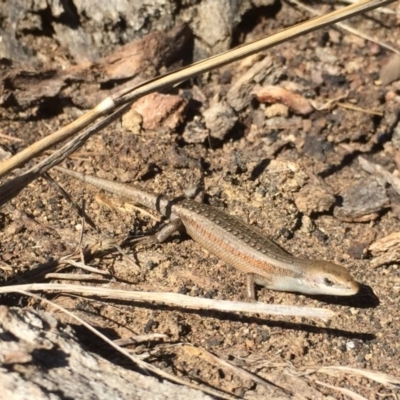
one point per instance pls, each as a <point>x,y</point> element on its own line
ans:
<point>324,277</point>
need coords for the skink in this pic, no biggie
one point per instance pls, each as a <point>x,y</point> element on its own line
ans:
<point>238,244</point>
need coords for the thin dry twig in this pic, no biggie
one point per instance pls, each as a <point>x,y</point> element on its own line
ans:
<point>346,392</point>
<point>177,300</point>
<point>330,103</point>
<point>133,340</point>
<point>382,10</point>
<point>128,95</point>
<point>213,359</point>
<point>348,28</point>
<point>76,277</point>
<point>10,138</point>
<point>83,266</point>
<point>387,380</point>
<point>354,108</point>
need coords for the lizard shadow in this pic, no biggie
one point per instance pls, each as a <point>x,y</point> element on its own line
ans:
<point>365,298</point>
<point>247,319</point>
<point>300,326</point>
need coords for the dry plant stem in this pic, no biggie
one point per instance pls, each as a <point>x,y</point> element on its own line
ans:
<point>11,188</point>
<point>346,392</point>
<point>142,364</point>
<point>128,95</point>
<point>347,28</point>
<point>389,381</point>
<point>211,358</point>
<point>133,340</point>
<point>76,277</point>
<point>83,266</point>
<point>354,108</point>
<point>382,10</point>
<point>177,300</point>
<point>10,138</point>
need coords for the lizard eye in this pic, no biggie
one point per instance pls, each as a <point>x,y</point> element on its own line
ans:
<point>328,282</point>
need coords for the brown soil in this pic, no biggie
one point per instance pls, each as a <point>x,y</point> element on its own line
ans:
<point>269,167</point>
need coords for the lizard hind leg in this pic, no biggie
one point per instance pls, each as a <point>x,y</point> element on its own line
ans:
<point>164,233</point>
<point>174,226</point>
<point>250,290</point>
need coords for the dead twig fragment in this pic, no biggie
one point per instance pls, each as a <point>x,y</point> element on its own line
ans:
<point>76,277</point>
<point>275,94</point>
<point>385,250</point>
<point>348,28</point>
<point>178,300</point>
<point>387,380</point>
<point>344,391</point>
<point>354,108</point>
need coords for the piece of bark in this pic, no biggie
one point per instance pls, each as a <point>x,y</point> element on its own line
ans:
<point>362,202</point>
<point>385,250</point>
<point>158,111</point>
<point>41,358</point>
<point>28,88</point>
<point>313,198</point>
<point>275,94</point>
<point>80,44</point>
<point>385,244</point>
<point>147,55</point>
